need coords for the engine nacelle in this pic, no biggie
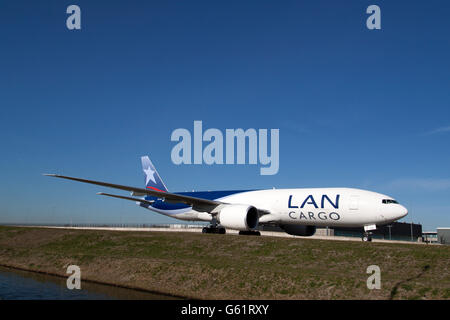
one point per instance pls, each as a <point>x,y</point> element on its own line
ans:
<point>299,230</point>
<point>239,217</point>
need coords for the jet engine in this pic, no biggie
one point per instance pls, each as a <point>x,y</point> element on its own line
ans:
<point>239,217</point>
<point>298,230</point>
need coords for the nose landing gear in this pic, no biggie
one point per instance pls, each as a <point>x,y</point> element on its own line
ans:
<point>367,237</point>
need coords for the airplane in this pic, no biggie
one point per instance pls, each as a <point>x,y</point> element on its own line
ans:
<point>296,211</point>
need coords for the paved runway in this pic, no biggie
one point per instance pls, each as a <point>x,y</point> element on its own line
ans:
<point>231,232</point>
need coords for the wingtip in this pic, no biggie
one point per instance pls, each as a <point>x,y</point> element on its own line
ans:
<point>50,174</point>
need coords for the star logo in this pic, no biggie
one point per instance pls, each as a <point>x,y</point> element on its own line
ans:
<point>150,175</point>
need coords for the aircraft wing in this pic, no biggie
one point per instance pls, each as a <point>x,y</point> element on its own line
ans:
<point>198,204</point>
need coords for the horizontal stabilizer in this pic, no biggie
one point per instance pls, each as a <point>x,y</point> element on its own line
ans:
<point>138,194</point>
<point>126,198</point>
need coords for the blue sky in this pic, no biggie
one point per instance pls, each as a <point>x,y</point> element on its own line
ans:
<point>355,107</point>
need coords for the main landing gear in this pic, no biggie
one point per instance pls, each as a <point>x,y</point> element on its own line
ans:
<point>211,229</point>
<point>249,233</point>
<point>214,228</point>
<point>367,237</point>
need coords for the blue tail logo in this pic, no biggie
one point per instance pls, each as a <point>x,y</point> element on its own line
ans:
<point>152,178</point>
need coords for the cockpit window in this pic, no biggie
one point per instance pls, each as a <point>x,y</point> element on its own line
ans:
<point>389,201</point>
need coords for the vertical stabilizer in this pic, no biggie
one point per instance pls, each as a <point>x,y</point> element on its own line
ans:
<point>152,178</point>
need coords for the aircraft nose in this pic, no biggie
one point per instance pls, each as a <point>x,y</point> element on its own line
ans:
<point>403,212</point>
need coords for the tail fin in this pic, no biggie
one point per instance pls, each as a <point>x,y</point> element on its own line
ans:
<point>152,178</point>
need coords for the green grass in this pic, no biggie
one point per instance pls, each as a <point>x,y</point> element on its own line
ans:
<point>228,266</point>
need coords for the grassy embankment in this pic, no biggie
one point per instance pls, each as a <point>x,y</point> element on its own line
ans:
<point>232,267</point>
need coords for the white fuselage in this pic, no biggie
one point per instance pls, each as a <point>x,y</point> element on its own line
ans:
<point>321,207</point>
